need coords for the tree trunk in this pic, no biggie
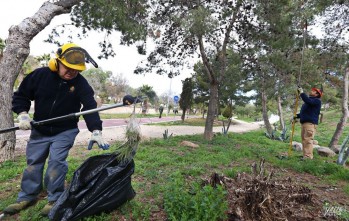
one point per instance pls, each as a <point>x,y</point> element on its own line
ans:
<point>183,114</point>
<point>15,53</point>
<point>343,153</point>
<point>212,107</point>
<point>265,113</point>
<point>7,140</point>
<point>218,111</point>
<point>281,117</point>
<point>345,113</point>
<point>226,129</point>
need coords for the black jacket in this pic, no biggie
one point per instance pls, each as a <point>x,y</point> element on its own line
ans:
<point>310,109</point>
<point>54,97</point>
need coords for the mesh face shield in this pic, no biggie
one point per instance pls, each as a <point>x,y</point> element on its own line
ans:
<point>75,58</point>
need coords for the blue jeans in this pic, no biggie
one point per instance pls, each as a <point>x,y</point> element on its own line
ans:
<point>39,148</point>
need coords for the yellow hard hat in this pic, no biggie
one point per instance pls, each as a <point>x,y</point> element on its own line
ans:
<point>72,56</point>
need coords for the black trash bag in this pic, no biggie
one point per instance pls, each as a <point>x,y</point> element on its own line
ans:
<point>100,184</point>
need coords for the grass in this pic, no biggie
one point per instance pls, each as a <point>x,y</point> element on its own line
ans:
<point>189,122</point>
<point>246,119</point>
<point>166,171</point>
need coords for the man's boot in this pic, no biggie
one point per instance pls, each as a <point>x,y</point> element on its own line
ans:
<point>46,210</point>
<point>17,207</point>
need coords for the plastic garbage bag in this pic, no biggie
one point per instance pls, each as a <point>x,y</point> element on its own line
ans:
<point>101,184</point>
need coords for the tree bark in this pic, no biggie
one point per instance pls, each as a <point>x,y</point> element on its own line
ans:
<point>343,153</point>
<point>345,112</point>
<point>265,112</point>
<point>183,114</point>
<point>16,51</point>
<point>212,107</point>
<point>281,117</point>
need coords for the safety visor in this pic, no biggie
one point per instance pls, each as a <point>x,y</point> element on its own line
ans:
<point>74,57</point>
<point>77,56</point>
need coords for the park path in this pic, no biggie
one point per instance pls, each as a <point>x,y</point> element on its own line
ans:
<point>114,130</point>
<point>117,133</point>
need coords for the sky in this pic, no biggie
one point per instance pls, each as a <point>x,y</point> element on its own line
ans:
<point>125,61</point>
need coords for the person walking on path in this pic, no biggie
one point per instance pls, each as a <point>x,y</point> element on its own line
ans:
<point>56,90</point>
<point>175,110</point>
<point>144,107</point>
<point>161,109</point>
<point>309,117</point>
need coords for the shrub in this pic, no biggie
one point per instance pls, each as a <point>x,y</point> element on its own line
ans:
<point>228,111</point>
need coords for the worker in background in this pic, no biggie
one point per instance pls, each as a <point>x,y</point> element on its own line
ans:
<point>309,117</point>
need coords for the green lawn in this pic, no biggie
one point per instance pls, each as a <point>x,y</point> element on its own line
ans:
<point>166,172</point>
<point>190,122</point>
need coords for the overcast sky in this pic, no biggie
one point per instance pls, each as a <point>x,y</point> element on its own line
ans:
<point>125,61</point>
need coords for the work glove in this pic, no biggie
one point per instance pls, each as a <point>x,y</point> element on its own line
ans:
<point>24,121</point>
<point>128,99</point>
<point>97,138</point>
<point>295,119</point>
<point>300,90</point>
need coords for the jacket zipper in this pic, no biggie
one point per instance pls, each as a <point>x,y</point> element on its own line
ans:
<point>54,102</point>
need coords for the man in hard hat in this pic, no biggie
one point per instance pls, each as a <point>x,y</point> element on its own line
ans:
<point>56,90</point>
<point>309,118</point>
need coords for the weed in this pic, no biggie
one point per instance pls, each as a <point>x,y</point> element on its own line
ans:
<point>133,136</point>
<point>231,173</point>
<point>166,136</point>
<point>284,136</point>
<point>346,189</point>
<point>139,211</point>
<point>271,135</point>
<point>11,169</point>
<point>275,135</point>
<point>194,202</point>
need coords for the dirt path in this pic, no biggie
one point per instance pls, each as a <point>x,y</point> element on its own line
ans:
<point>153,131</point>
<point>112,134</point>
